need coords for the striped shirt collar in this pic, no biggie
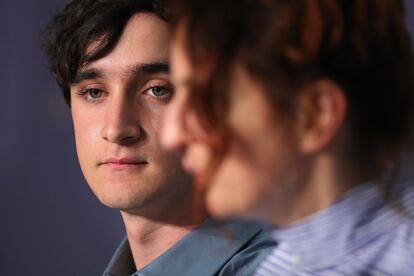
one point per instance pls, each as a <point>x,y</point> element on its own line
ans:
<point>328,237</point>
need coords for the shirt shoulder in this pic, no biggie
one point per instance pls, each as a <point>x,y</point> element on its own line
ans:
<point>401,253</point>
<point>214,248</point>
<point>246,260</point>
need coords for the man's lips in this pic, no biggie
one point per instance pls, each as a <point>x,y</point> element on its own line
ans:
<point>123,162</point>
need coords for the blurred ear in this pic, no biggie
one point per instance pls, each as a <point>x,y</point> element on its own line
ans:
<point>322,109</point>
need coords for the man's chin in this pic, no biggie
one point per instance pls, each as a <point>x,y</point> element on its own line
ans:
<point>123,203</point>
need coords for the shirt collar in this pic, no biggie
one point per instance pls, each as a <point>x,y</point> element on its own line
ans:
<point>122,262</point>
<point>331,235</point>
<point>205,249</point>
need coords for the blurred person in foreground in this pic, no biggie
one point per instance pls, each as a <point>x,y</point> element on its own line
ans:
<point>297,113</point>
<point>111,60</point>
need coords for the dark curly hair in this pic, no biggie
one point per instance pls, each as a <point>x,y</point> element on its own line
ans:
<point>83,22</point>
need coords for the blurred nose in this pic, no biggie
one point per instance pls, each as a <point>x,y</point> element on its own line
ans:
<point>174,134</point>
<point>121,122</point>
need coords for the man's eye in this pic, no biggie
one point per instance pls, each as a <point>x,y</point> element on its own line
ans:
<point>94,93</point>
<point>159,91</point>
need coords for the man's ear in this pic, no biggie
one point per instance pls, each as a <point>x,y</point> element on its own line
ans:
<point>322,107</point>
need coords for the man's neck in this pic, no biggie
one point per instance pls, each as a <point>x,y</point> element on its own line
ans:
<point>149,238</point>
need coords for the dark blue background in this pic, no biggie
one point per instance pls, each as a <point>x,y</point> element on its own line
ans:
<point>50,222</point>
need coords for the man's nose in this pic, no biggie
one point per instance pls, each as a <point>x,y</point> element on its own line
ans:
<point>122,125</point>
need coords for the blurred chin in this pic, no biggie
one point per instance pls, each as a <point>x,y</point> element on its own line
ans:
<point>233,191</point>
<point>225,203</point>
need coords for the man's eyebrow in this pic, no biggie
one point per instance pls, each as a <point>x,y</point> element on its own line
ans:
<point>87,74</point>
<point>151,68</point>
<point>139,69</point>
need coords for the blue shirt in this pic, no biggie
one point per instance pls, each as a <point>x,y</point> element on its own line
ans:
<point>362,234</point>
<point>213,248</point>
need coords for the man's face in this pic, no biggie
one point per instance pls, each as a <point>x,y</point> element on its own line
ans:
<point>117,104</point>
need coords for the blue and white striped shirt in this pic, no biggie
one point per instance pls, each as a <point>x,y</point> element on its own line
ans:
<point>361,234</point>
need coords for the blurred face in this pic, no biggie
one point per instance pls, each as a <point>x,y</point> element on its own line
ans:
<point>255,176</point>
<point>118,103</point>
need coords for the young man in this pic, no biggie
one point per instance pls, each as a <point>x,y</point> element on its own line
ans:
<point>110,57</point>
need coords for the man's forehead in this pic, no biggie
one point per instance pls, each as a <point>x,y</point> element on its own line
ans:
<point>145,23</point>
<point>142,49</point>
<point>145,39</point>
<point>145,34</point>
